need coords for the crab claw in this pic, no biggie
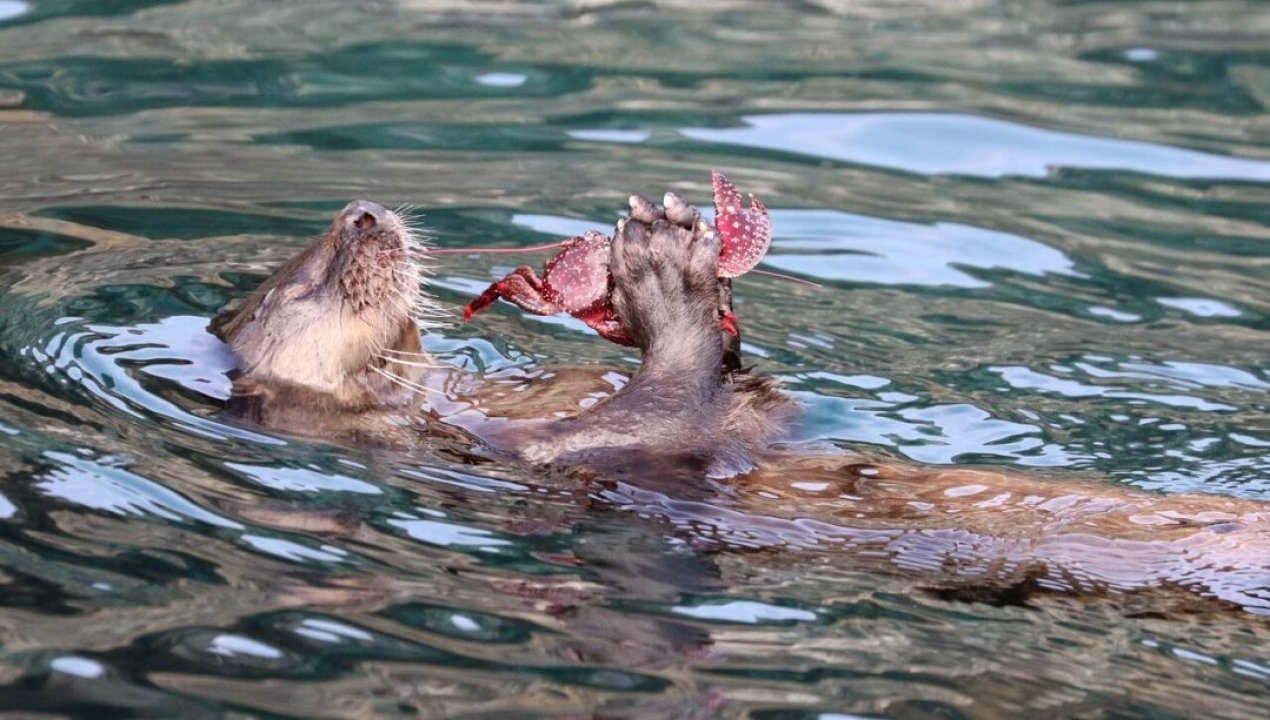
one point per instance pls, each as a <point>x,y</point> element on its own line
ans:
<point>575,280</point>
<point>478,304</point>
<point>746,234</point>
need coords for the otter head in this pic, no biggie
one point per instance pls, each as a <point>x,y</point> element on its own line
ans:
<point>339,323</point>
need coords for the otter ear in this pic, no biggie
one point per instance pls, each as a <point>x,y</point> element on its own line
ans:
<point>230,322</point>
<point>219,325</point>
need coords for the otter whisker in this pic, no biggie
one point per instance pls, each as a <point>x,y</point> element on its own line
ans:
<point>379,349</point>
<point>425,361</point>
<point>427,308</point>
<point>409,363</point>
<point>416,255</point>
<point>402,306</point>
<point>418,265</point>
<point>432,315</point>
<point>416,235</point>
<point>404,353</point>
<point>407,384</point>
<point>429,324</point>
<point>428,318</point>
<point>423,313</point>
<point>416,299</point>
<point>414,304</point>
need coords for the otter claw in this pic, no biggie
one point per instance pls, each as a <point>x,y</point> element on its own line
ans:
<point>679,211</point>
<point>643,210</point>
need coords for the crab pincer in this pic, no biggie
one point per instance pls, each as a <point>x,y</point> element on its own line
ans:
<point>575,281</point>
<point>578,280</point>
<point>746,234</point>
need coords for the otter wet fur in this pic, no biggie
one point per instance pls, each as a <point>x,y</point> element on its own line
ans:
<point>332,339</point>
<point>331,343</point>
<point>338,325</point>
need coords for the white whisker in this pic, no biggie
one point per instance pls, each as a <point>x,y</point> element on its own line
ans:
<point>403,353</point>
<point>409,363</point>
<point>403,382</point>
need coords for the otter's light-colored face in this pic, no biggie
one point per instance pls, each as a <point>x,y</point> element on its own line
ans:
<point>340,319</point>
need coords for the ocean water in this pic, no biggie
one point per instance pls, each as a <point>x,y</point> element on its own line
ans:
<point>1042,236</point>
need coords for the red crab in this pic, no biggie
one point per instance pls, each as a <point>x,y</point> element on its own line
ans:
<point>577,279</point>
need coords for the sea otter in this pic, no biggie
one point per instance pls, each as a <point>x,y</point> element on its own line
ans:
<point>331,342</point>
<point>333,338</point>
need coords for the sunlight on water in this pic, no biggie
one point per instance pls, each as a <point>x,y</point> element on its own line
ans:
<point>886,252</point>
<point>10,9</point>
<point>938,144</point>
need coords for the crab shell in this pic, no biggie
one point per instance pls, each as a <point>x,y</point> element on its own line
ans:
<point>578,276</point>
<point>746,235</point>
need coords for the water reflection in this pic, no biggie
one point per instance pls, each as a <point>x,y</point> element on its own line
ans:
<point>109,487</point>
<point>10,9</point>
<point>862,249</point>
<point>1201,307</point>
<point>1009,280</point>
<point>945,144</point>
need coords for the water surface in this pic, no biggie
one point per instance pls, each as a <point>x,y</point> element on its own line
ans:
<point>1043,236</point>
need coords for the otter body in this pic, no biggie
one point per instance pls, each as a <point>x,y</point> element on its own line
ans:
<point>331,342</point>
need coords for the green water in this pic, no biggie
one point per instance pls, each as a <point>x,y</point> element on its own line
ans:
<point>1043,234</point>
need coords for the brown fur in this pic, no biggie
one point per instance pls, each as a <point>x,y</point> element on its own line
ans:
<point>310,337</point>
<point>328,347</point>
<point>325,332</point>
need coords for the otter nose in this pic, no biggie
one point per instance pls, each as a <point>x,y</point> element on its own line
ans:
<point>364,215</point>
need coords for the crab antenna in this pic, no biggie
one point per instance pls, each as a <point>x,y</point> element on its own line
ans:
<point>495,251</point>
<point>783,276</point>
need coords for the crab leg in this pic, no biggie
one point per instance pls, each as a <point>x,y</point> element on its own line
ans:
<point>574,281</point>
<point>523,288</point>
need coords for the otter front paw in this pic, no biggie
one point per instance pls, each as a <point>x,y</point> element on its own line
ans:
<point>665,266</point>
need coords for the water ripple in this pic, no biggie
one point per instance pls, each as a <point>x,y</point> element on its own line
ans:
<point>862,249</point>
<point>950,144</point>
<point>1040,228</point>
<point>107,486</point>
<point>10,9</point>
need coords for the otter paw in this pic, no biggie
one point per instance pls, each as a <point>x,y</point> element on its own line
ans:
<point>665,270</point>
